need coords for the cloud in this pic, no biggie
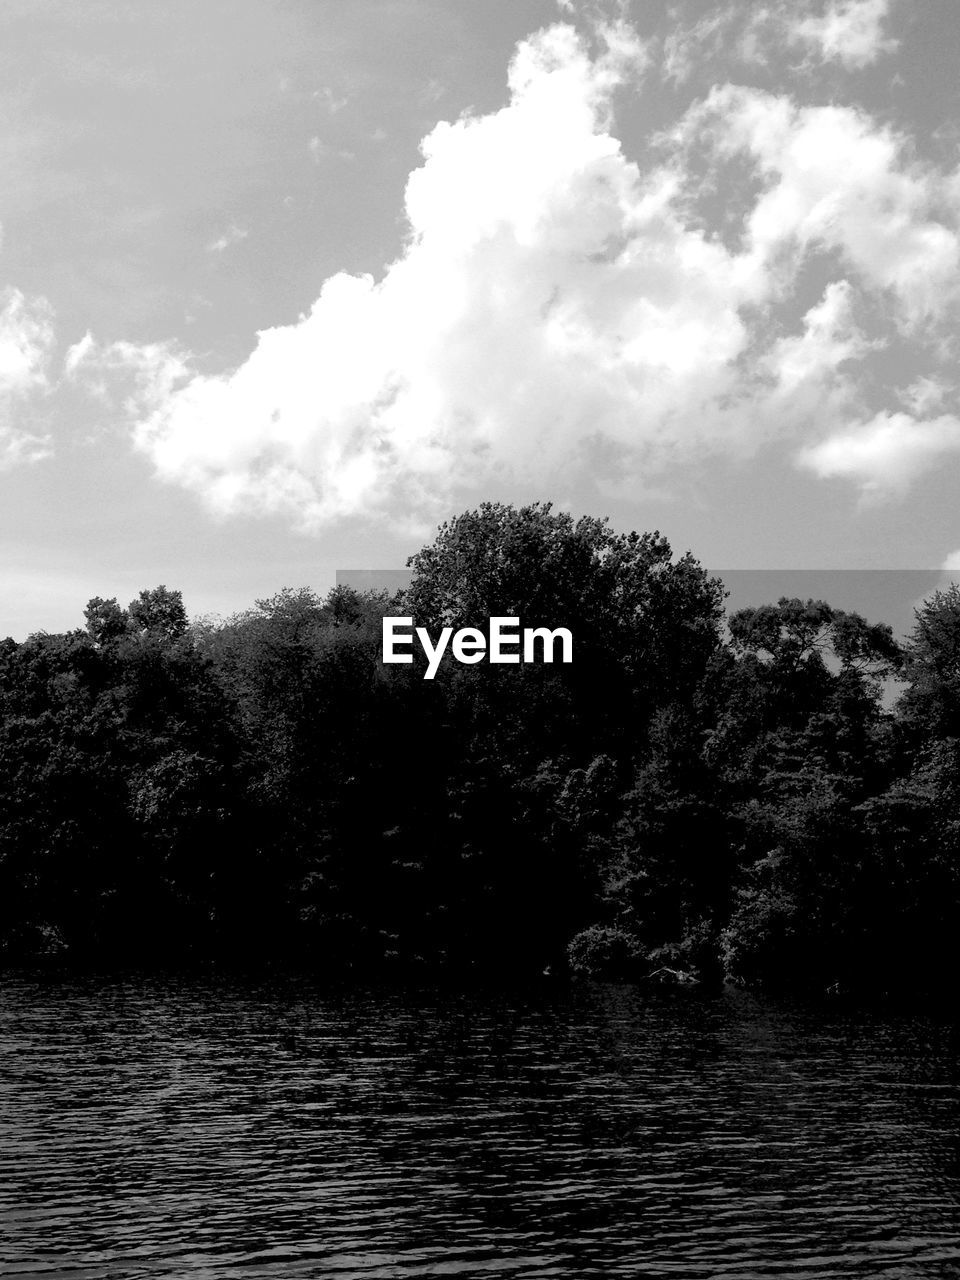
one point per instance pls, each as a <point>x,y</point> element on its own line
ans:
<point>560,313</point>
<point>333,102</point>
<point>26,339</point>
<point>688,46</point>
<point>26,334</point>
<point>850,32</point>
<point>320,150</point>
<point>837,181</point>
<point>78,354</point>
<point>233,235</point>
<point>886,454</point>
<point>811,370</point>
<point>924,395</point>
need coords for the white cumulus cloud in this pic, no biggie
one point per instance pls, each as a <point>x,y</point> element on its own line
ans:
<point>851,32</point>
<point>886,454</point>
<point>837,181</point>
<point>26,338</point>
<point>559,311</point>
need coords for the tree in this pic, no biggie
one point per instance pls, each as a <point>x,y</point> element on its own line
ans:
<point>546,751</point>
<point>267,788</point>
<point>795,634</point>
<point>931,704</point>
<point>158,612</point>
<point>106,621</point>
<point>635,613</point>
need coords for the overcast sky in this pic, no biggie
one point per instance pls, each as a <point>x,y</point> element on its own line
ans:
<point>283,283</point>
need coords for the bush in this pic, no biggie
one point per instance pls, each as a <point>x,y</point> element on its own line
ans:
<point>605,951</point>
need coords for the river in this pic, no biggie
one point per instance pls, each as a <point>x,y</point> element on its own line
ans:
<point>217,1128</point>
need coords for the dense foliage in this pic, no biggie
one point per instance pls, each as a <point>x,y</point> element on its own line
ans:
<point>689,797</point>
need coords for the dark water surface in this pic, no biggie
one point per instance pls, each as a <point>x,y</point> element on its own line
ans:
<point>212,1129</point>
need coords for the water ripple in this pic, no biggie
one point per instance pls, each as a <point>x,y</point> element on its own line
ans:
<point>210,1129</point>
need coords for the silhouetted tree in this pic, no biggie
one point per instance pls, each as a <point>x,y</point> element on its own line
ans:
<point>265,789</point>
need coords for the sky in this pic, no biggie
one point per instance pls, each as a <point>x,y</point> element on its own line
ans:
<point>286,283</point>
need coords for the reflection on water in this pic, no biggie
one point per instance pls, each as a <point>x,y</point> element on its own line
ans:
<point>209,1129</point>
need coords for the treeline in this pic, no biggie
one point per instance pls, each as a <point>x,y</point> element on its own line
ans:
<point>692,796</point>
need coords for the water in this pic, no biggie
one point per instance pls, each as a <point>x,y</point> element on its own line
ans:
<point>213,1129</point>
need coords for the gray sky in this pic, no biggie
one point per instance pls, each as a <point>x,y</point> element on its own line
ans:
<point>287,282</point>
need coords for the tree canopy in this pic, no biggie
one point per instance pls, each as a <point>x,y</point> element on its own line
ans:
<point>685,797</point>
